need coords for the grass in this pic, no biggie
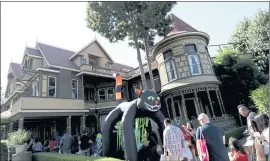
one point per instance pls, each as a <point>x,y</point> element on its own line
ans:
<point>68,157</point>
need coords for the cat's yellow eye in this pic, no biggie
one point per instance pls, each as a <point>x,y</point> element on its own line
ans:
<point>158,98</point>
<point>150,98</point>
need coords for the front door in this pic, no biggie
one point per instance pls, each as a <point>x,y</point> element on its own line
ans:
<point>191,108</point>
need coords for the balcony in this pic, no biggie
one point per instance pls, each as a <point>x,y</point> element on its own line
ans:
<point>100,71</point>
<point>44,103</point>
<point>109,72</point>
<point>99,105</point>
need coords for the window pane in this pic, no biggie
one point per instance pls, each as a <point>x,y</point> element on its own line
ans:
<point>51,91</point>
<point>83,61</point>
<point>190,48</point>
<point>194,64</point>
<point>74,84</point>
<point>101,92</point>
<point>157,84</point>
<point>102,97</point>
<point>74,93</point>
<point>168,66</point>
<point>110,93</point>
<point>167,55</point>
<point>51,81</point>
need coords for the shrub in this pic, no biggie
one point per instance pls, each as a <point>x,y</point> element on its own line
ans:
<point>18,137</point>
<point>260,97</point>
<point>236,133</point>
<point>4,151</point>
<point>68,157</point>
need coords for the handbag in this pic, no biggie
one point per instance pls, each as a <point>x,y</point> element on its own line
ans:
<point>202,149</point>
<point>159,149</point>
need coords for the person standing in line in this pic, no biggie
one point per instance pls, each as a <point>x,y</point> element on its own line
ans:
<point>84,144</point>
<point>214,137</point>
<point>249,115</point>
<point>66,143</point>
<point>37,146</point>
<point>174,142</point>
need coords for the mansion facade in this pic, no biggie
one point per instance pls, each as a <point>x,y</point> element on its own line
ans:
<point>54,89</point>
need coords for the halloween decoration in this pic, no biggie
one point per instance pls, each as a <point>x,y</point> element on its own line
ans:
<point>146,105</point>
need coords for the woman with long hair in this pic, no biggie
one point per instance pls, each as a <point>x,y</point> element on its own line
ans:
<point>238,152</point>
<point>189,134</point>
<point>260,125</point>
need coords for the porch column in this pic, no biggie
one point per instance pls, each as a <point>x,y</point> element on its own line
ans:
<point>173,108</point>
<point>20,126</point>
<point>69,124</point>
<point>82,90</point>
<point>219,102</point>
<point>197,106</point>
<point>166,101</point>
<point>11,127</point>
<point>82,123</point>
<point>210,102</point>
<point>184,106</point>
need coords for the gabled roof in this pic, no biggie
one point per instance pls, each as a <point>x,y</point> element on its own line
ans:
<point>93,41</point>
<point>15,69</point>
<point>56,56</point>
<point>33,52</point>
<point>180,26</point>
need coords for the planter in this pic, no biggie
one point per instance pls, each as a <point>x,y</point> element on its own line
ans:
<point>19,148</point>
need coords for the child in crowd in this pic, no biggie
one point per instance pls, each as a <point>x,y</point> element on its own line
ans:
<point>238,152</point>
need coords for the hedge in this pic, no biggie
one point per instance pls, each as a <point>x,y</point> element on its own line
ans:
<point>236,133</point>
<point>48,156</point>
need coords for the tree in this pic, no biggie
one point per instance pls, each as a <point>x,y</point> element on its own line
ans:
<point>260,97</point>
<point>252,37</point>
<point>119,20</point>
<point>239,76</point>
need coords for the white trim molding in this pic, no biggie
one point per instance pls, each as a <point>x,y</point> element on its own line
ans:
<point>48,70</point>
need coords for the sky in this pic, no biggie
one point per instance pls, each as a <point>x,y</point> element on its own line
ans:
<point>63,24</point>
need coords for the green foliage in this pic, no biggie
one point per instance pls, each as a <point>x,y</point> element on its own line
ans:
<point>224,55</point>
<point>260,97</point>
<point>18,137</point>
<point>239,76</point>
<point>68,157</point>
<point>4,151</point>
<point>140,126</point>
<point>133,20</point>
<point>236,133</point>
<point>252,37</point>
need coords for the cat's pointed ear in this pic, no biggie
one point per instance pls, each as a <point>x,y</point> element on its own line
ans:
<point>138,92</point>
<point>153,90</point>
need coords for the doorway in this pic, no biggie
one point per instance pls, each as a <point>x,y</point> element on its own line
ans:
<point>191,108</point>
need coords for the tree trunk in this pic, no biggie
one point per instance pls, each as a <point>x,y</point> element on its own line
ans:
<point>144,84</point>
<point>152,82</point>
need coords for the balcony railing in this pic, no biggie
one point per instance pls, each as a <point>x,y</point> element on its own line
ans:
<point>109,72</point>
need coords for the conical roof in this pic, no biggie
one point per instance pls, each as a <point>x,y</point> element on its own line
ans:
<point>180,26</point>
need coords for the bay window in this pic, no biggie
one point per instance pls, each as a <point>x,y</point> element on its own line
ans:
<point>193,59</point>
<point>169,65</point>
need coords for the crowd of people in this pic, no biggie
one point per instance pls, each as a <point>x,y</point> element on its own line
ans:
<point>180,143</point>
<point>208,140</point>
<point>85,144</point>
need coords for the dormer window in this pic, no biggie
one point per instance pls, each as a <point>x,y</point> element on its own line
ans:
<point>83,61</point>
<point>169,65</point>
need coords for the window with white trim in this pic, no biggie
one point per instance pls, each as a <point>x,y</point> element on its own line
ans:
<point>83,61</point>
<point>74,86</point>
<point>110,93</point>
<point>101,94</point>
<point>169,65</point>
<point>108,66</point>
<point>52,86</point>
<point>194,64</point>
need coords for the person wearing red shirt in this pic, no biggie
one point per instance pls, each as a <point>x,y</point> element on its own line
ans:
<point>188,136</point>
<point>238,152</point>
